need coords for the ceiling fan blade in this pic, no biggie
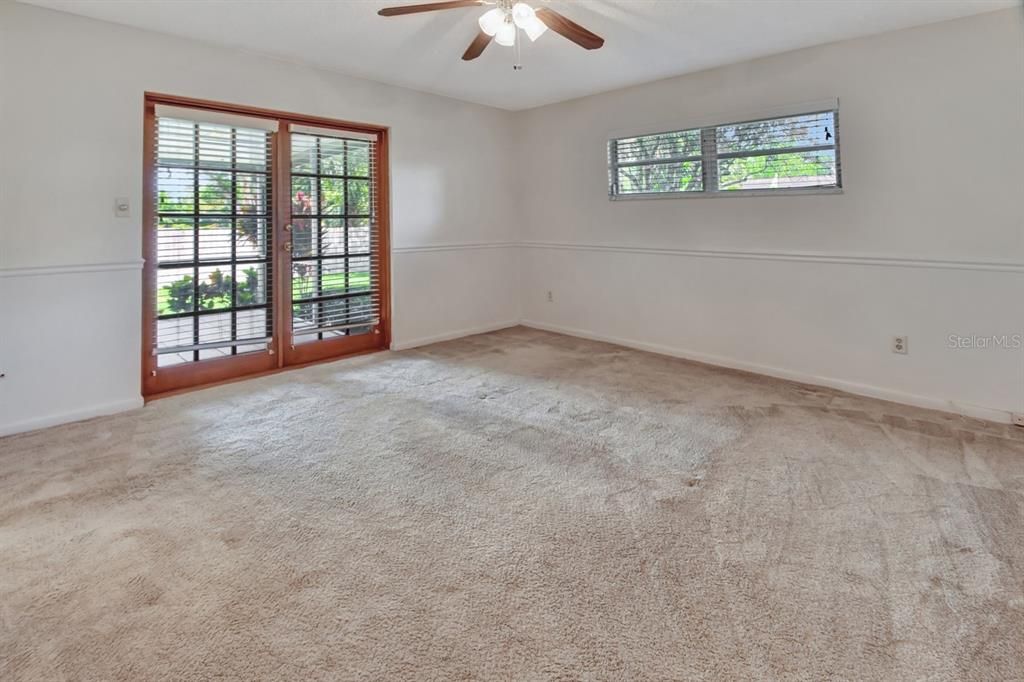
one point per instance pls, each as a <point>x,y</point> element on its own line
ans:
<point>428,7</point>
<point>477,47</point>
<point>569,29</point>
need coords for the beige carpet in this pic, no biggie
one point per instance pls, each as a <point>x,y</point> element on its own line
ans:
<point>517,505</point>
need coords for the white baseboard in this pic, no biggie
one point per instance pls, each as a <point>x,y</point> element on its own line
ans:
<point>124,405</point>
<point>449,336</point>
<point>72,416</point>
<point>963,409</point>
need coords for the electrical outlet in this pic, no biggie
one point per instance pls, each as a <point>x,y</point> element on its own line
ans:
<point>1018,418</point>
<point>551,297</point>
<point>899,345</point>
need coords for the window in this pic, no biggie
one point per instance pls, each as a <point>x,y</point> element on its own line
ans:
<point>799,152</point>
<point>667,162</point>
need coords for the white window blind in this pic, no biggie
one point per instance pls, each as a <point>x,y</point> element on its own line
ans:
<point>213,213</point>
<point>667,162</point>
<point>798,152</point>
<point>335,250</point>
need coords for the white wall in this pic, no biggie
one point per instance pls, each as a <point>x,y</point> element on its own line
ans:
<point>71,92</point>
<point>927,240</point>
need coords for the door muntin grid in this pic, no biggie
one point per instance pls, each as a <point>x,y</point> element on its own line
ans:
<point>334,275</point>
<point>214,231</point>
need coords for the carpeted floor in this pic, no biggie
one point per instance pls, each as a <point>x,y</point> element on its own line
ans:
<point>517,505</point>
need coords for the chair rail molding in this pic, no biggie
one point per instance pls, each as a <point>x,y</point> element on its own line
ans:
<point>789,256</point>
<point>462,246</point>
<point>8,271</point>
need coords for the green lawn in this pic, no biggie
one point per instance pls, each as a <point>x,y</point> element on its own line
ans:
<point>333,283</point>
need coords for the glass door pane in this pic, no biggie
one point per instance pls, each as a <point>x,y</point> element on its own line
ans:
<point>334,253</point>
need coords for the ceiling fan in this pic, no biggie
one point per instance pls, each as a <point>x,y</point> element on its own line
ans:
<point>503,22</point>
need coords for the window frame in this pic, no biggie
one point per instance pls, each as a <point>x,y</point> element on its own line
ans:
<point>709,161</point>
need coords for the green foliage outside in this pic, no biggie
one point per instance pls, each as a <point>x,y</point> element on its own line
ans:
<point>214,292</point>
<point>737,172</point>
<point>741,172</point>
<point>311,196</point>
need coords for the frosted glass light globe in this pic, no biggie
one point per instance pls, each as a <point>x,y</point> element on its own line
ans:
<point>522,14</point>
<point>492,21</point>
<point>506,35</point>
<point>535,28</point>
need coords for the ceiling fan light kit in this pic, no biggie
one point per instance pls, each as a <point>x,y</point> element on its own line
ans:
<point>502,23</point>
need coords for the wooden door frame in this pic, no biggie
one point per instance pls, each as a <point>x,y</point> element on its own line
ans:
<point>156,380</point>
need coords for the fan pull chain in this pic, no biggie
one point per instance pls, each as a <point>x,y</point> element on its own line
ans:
<point>517,52</point>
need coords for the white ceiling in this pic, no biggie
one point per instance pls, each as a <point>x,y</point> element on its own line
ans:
<point>645,39</point>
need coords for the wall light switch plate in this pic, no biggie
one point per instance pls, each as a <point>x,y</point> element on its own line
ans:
<point>122,207</point>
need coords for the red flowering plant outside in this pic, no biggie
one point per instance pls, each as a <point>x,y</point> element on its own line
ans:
<point>302,231</point>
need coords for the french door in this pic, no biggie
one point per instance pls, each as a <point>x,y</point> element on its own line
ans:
<point>330,243</point>
<point>265,241</point>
